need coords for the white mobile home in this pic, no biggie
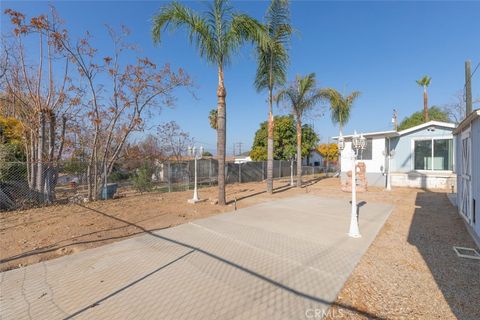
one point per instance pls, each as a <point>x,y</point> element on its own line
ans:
<point>421,156</point>
<point>467,139</point>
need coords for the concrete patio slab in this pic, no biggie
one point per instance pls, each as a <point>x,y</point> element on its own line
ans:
<point>282,260</point>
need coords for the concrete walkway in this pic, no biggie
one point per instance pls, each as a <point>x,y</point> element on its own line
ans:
<point>286,259</point>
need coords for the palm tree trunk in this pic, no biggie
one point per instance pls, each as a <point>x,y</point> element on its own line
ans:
<point>299,152</point>
<point>221,136</point>
<point>339,160</point>
<point>425,104</point>
<point>270,146</point>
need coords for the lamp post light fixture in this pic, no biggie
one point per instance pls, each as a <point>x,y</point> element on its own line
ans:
<point>196,154</point>
<point>358,143</point>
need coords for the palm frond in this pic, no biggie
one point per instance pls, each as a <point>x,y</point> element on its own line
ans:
<point>301,95</point>
<point>340,106</point>
<point>273,59</point>
<point>244,27</point>
<point>174,16</point>
<point>424,81</point>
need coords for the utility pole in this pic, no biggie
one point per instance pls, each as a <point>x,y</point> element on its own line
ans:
<point>240,147</point>
<point>468,87</point>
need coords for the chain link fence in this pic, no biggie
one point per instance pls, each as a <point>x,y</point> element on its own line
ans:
<point>68,181</point>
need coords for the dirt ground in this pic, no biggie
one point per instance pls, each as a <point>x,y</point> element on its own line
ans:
<point>409,272</point>
<point>40,234</point>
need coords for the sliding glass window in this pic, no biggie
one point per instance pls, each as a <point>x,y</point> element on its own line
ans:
<point>433,154</point>
<point>442,154</point>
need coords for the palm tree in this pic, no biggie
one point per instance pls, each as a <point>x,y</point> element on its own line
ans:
<point>425,82</point>
<point>302,96</point>
<point>340,106</point>
<point>272,67</point>
<point>217,34</point>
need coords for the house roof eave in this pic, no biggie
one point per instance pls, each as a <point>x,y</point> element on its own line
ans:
<point>472,116</point>
<point>393,133</point>
<point>383,134</point>
<point>427,124</point>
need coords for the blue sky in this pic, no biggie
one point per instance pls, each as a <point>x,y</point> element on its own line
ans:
<point>378,48</point>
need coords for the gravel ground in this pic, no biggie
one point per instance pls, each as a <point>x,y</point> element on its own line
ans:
<point>409,272</point>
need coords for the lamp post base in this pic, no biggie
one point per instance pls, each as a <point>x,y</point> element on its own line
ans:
<point>193,201</point>
<point>354,235</point>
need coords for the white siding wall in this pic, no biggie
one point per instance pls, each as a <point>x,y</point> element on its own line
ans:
<point>374,165</point>
<point>475,167</point>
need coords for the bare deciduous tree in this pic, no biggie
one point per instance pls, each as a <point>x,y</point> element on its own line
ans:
<point>111,98</point>
<point>456,110</point>
<point>39,92</point>
<point>135,91</point>
<point>173,140</point>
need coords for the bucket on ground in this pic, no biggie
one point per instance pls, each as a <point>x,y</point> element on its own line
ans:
<point>108,191</point>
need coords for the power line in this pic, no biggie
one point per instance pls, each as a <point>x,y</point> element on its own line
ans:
<point>478,64</point>
<point>470,78</point>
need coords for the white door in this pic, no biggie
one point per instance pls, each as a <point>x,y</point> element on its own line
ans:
<point>466,177</point>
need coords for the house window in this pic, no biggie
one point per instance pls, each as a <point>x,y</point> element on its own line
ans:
<point>367,153</point>
<point>433,154</point>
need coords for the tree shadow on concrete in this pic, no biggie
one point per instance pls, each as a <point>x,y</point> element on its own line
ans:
<point>196,249</point>
<point>12,262</point>
<point>435,228</point>
<point>279,189</point>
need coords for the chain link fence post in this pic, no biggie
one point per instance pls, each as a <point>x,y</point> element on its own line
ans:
<point>188,175</point>
<point>210,171</point>
<point>169,177</point>
<point>239,173</point>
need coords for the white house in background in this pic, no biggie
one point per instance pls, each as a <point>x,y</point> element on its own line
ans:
<point>422,156</point>
<point>314,158</point>
<point>467,141</point>
<point>242,159</point>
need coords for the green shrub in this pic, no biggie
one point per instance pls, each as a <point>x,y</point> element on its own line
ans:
<point>117,176</point>
<point>142,180</point>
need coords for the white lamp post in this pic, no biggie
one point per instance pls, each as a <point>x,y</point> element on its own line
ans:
<point>291,171</point>
<point>197,154</point>
<point>358,143</point>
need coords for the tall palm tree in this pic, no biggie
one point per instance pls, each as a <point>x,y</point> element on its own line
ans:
<point>425,82</point>
<point>302,96</point>
<point>340,105</point>
<point>218,33</point>
<point>272,66</point>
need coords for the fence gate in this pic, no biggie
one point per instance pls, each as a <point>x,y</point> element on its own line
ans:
<point>466,176</point>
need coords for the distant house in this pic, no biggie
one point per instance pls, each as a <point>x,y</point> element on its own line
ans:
<point>242,158</point>
<point>423,156</point>
<point>467,141</point>
<point>314,158</point>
